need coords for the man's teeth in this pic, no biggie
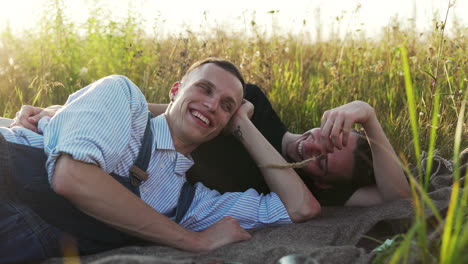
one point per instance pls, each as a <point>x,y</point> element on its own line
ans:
<point>201,117</point>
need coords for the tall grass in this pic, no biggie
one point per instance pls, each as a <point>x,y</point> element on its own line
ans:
<point>415,80</point>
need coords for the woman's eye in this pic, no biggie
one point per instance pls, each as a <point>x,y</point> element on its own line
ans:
<point>323,163</point>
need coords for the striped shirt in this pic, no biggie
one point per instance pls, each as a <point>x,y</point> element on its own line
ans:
<point>104,123</point>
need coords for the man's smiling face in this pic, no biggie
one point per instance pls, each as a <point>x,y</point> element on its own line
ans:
<point>203,104</point>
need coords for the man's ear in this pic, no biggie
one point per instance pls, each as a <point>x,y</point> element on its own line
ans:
<point>174,90</point>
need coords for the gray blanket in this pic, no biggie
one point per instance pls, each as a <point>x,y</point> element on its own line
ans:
<point>338,235</point>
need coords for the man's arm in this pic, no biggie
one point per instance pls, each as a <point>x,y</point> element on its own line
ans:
<point>29,115</point>
<point>391,182</point>
<point>111,107</point>
<point>97,194</point>
<point>298,200</point>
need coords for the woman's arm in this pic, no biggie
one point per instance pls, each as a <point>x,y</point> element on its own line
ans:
<point>157,109</point>
<point>298,200</point>
<point>391,182</point>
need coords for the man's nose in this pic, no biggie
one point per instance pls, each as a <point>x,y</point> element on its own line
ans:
<point>212,103</point>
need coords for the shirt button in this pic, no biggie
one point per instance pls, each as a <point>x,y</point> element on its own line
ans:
<point>161,165</point>
<point>144,189</point>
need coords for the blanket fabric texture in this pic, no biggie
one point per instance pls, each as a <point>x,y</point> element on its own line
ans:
<point>338,235</point>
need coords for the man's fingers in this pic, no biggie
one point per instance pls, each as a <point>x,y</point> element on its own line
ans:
<point>246,235</point>
<point>34,119</point>
<point>240,233</point>
<point>25,125</point>
<point>29,116</point>
<point>28,110</point>
<point>29,126</point>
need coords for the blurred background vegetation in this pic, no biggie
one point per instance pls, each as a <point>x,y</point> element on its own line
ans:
<point>302,78</point>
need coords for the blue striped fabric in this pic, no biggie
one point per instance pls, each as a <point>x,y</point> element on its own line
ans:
<point>103,124</point>
<point>22,136</point>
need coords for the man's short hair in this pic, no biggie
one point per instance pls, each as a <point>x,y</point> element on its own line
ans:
<point>363,168</point>
<point>222,63</point>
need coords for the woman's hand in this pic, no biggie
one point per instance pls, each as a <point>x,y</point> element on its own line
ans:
<point>245,110</point>
<point>337,123</point>
<point>29,116</point>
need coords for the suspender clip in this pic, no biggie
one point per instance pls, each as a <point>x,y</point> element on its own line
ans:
<point>137,175</point>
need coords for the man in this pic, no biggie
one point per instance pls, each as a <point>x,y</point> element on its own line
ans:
<point>356,174</point>
<point>99,131</point>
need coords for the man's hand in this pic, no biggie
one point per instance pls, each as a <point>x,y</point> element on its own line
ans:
<point>337,123</point>
<point>225,231</point>
<point>99,195</point>
<point>29,116</point>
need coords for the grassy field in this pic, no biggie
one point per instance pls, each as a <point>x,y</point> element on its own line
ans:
<point>416,82</point>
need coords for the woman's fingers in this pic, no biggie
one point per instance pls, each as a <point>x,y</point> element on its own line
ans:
<point>339,122</point>
<point>336,131</point>
<point>347,127</point>
<point>325,130</point>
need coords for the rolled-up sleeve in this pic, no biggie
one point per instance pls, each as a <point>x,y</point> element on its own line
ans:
<point>250,208</point>
<point>96,123</point>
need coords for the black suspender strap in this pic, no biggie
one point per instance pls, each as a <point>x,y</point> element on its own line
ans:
<point>138,173</point>
<point>185,200</point>
<point>138,170</point>
<point>35,191</point>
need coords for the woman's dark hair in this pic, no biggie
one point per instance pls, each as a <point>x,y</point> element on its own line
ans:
<point>363,168</point>
<point>342,189</point>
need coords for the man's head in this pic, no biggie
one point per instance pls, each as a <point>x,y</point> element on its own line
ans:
<point>221,63</point>
<point>352,165</point>
<point>203,102</point>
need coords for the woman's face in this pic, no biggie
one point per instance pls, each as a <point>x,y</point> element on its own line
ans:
<point>328,168</point>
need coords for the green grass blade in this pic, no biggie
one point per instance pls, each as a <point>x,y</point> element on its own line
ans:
<point>404,247</point>
<point>432,139</point>
<point>457,207</point>
<point>412,107</point>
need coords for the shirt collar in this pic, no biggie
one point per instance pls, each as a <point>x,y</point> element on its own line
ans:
<point>163,140</point>
<point>162,134</point>
<point>182,164</point>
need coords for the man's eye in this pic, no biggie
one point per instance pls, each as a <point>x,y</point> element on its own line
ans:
<point>205,88</point>
<point>227,107</point>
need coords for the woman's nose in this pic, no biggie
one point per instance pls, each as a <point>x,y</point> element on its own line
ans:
<point>311,148</point>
